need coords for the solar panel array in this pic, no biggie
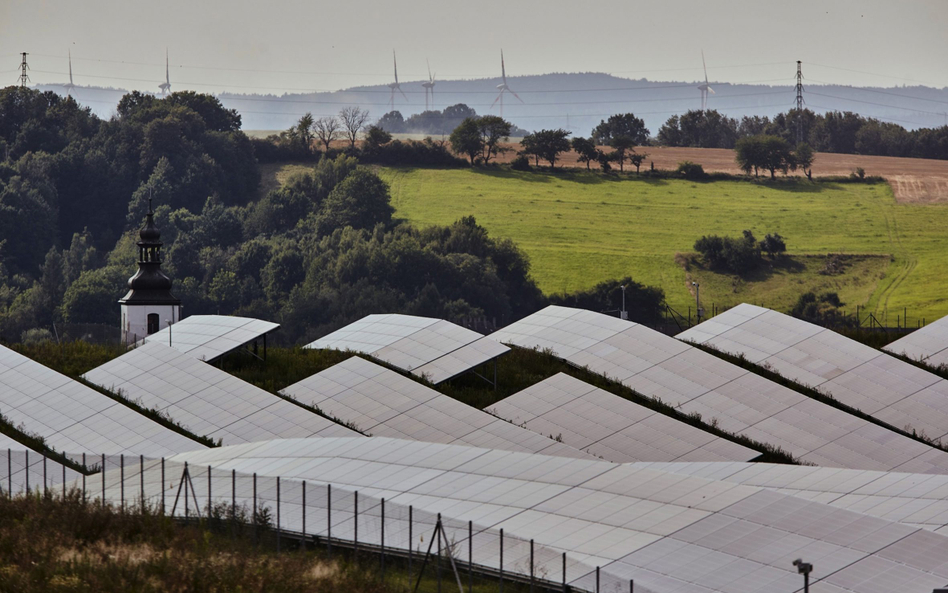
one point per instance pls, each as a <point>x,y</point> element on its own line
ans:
<point>918,500</point>
<point>740,401</point>
<point>16,458</point>
<point>928,344</point>
<point>433,348</point>
<point>73,418</point>
<point>208,337</point>
<point>611,427</point>
<point>385,403</point>
<point>864,378</point>
<point>668,532</point>
<point>207,400</point>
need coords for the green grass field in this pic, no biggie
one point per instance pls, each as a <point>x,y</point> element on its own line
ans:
<point>580,228</point>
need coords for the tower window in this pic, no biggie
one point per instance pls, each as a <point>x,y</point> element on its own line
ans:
<point>152,323</point>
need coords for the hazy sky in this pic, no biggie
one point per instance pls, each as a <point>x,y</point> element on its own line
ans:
<point>279,46</point>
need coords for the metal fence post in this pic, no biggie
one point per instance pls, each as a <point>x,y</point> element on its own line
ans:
<point>255,508</point>
<point>329,519</point>
<point>233,503</point>
<point>531,566</point>
<point>470,557</point>
<point>141,475</point>
<point>122,481</point>
<point>209,503</point>
<point>597,579</point>
<point>564,572</point>
<point>83,478</point>
<point>27,473</point>
<point>185,477</point>
<point>355,525</point>
<point>45,480</point>
<point>10,471</point>
<point>103,479</point>
<point>278,515</point>
<point>438,533</point>
<point>64,480</point>
<point>304,514</point>
<point>383,539</point>
<point>411,541</point>
<point>501,559</point>
<point>631,585</point>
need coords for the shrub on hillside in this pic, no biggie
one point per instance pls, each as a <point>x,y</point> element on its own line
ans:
<point>521,163</point>
<point>690,170</point>
<point>738,255</point>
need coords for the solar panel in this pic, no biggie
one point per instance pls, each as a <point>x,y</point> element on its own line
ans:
<point>433,348</point>
<point>740,401</point>
<point>917,500</point>
<point>73,418</point>
<point>666,531</point>
<point>208,337</point>
<point>16,458</point>
<point>384,403</point>
<point>928,344</point>
<point>611,427</point>
<point>207,400</point>
<point>864,378</point>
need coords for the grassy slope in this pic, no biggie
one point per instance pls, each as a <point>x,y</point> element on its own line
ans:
<point>582,228</point>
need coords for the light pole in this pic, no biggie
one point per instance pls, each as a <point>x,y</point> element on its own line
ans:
<point>623,314</point>
<point>697,300</point>
<point>804,568</point>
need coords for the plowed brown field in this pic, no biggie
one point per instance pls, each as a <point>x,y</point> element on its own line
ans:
<point>912,180</point>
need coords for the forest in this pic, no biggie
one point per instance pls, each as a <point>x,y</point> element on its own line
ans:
<point>319,252</point>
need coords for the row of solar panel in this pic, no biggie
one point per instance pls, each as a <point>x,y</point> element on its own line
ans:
<point>669,532</point>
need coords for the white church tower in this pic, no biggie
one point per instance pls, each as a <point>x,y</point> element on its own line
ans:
<point>149,305</point>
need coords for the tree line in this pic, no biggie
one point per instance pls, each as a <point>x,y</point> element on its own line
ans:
<point>835,131</point>
<point>314,254</point>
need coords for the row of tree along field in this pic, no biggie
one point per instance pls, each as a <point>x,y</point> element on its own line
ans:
<point>834,131</point>
<point>319,252</point>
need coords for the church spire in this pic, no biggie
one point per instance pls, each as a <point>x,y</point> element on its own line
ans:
<point>149,296</point>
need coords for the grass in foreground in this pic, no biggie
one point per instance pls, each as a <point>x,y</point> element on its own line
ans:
<point>68,545</point>
<point>580,229</point>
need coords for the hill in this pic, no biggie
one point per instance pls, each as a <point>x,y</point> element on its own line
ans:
<point>580,228</point>
<point>574,101</point>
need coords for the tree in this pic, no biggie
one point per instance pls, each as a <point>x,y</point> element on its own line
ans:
<point>621,125</point>
<point>637,158</point>
<point>700,129</point>
<point>392,122</point>
<point>803,158</point>
<point>376,136</point>
<point>361,201</point>
<point>466,139</point>
<point>773,245</point>
<point>763,152</point>
<point>586,150</point>
<point>550,144</point>
<point>531,147</point>
<point>327,129</point>
<point>621,146</point>
<point>493,129</point>
<point>353,120</point>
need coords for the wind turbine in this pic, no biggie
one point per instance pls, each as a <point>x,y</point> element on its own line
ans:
<point>395,86</point>
<point>704,88</point>
<point>69,87</point>
<point>429,87</point>
<point>166,85</point>
<point>503,87</point>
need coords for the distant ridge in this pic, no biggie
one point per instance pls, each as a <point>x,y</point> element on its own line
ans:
<point>577,101</point>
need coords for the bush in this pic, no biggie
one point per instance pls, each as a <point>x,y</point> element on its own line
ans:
<point>739,255</point>
<point>521,163</point>
<point>690,170</point>
<point>773,244</point>
<point>822,309</point>
<point>426,153</point>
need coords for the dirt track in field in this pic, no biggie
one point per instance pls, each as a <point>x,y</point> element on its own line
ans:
<point>912,180</point>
